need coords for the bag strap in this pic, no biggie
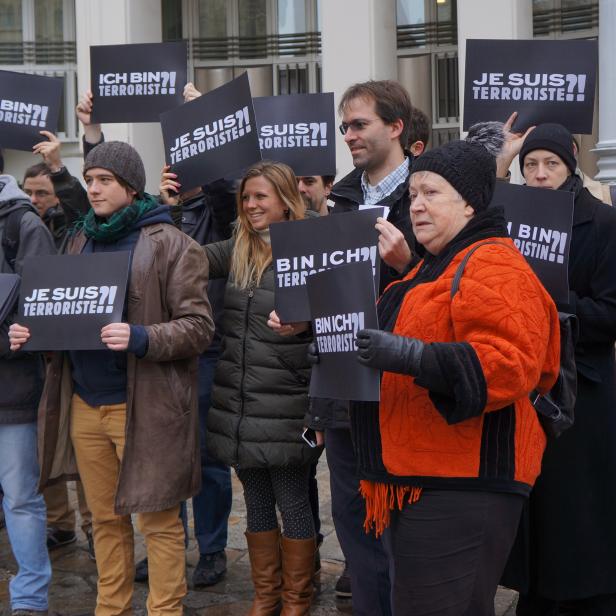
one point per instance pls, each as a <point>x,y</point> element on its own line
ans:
<point>455,285</point>
<point>10,237</point>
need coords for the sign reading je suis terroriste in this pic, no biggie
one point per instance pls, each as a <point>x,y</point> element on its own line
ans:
<point>543,80</point>
<point>212,136</point>
<point>298,130</point>
<point>65,300</point>
<point>28,105</point>
<point>137,82</point>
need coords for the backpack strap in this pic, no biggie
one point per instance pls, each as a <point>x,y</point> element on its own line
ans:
<point>10,237</point>
<point>455,285</point>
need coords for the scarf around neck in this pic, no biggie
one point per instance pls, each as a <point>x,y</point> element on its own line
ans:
<point>119,224</point>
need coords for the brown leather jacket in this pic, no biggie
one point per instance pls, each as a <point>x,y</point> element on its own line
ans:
<point>167,294</point>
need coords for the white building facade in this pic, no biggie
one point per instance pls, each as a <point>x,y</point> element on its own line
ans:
<point>297,46</point>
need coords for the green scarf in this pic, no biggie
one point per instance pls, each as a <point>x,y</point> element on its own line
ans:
<point>119,224</point>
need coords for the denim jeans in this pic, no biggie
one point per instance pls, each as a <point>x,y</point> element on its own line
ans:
<point>212,505</point>
<point>25,515</point>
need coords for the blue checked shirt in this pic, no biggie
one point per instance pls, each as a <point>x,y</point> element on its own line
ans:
<point>375,194</point>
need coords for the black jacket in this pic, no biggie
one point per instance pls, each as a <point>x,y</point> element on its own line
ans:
<point>571,513</point>
<point>347,195</point>
<point>74,205</point>
<point>21,374</point>
<point>207,219</point>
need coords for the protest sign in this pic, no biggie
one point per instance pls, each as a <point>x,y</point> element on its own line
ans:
<point>543,80</point>
<point>613,193</point>
<point>298,130</point>
<point>136,83</point>
<point>66,299</point>
<point>9,290</point>
<point>28,105</point>
<point>304,247</point>
<point>342,302</point>
<point>539,221</point>
<point>213,135</point>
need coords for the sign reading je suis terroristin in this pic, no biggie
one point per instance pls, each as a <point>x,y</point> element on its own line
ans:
<point>28,105</point>
<point>304,247</point>
<point>342,302</point>
<point>65,300</point>
<point>298,130</point>
<point>543,80</point>
<point>212,136</point>
<point>539,221</point>
<point>136,83</point>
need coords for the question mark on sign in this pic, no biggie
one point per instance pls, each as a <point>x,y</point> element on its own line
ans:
<point>554,241</point>
<point>102,299</point>
<point>571,83</point>
<point>36,113</point>
<point>165,77</point>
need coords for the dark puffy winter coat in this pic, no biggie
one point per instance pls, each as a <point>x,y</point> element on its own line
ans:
<point>572,509</point>
<point>260,391</point>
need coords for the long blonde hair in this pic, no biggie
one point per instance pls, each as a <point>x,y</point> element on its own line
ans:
<point>251,254</point>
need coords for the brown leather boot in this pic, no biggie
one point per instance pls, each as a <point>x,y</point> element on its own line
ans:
<point>297,574</point>
<point>266,571</point>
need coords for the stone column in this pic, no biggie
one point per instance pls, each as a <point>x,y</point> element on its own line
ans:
<point>358,42</point>
<point>606,147</point>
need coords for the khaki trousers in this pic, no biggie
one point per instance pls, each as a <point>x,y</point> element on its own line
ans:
<point>98,435</point>
<point>60,514</point>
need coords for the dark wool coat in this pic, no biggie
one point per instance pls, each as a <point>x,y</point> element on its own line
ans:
<point>166,294</point>
<point>260,393</point>
<point>571,518</point>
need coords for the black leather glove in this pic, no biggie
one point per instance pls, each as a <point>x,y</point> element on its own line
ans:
<point>389,352</point>
<point>313,354</point>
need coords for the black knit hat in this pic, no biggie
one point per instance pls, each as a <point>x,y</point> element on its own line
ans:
<point>469,165</point>
<point>121,159</point>
<point>554,138</point>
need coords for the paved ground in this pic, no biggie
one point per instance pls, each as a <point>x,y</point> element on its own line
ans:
<point>73,590</point>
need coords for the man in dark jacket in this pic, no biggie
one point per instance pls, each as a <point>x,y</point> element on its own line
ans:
<point>21,382</point>
<point>207,214</point>
<point>375,124</point>
<point>47,184</point>
<point>571,532</point>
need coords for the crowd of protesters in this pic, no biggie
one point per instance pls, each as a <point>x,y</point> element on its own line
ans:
<point>444,489</point>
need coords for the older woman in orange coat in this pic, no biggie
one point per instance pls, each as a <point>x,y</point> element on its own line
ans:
<point>455,445</point>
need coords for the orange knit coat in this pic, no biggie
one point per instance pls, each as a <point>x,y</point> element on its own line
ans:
<point>503,312</point>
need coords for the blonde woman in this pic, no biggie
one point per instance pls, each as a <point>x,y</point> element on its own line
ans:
<point>260,397</point>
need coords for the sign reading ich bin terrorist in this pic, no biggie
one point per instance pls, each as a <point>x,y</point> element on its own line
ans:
<point>539,221</point>
<point>302,248</point>
<point>543,80</point>
<point>212,136</point>
<point>65,300</point>
<point>298,130</point>
<point>342,301</point>
<point>28,105</point>
<point>136,83</point>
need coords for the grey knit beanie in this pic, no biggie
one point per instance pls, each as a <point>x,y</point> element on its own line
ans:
<point>121,159</point>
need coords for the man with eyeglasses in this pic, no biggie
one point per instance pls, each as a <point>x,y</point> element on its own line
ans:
<point>375,125</point>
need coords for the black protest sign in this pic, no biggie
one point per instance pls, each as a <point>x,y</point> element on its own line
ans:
<point>28,105</point>
<point>342,301</point>
<point>298,130</point>
<point>212,136</point>
<point>9,290</point>
<point>304,247</point>
<point>136,83</point>
<point>66,299</point>
<point>539,221</point>
<point>543,80</point>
